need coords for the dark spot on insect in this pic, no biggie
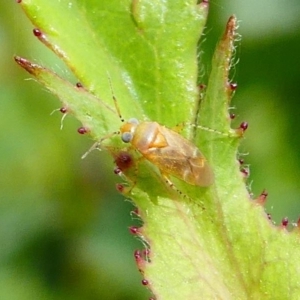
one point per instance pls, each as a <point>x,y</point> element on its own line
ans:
<point>63,110</point>
<point>269,216</point>
<point>82,130</point>
<point>37,32</point>
<point>285,222</point>
<point>202,86</point>
<point>241,161</point>
<point>79,85</point>
<point>232,116</point>
<point>145,282</point>
<point>134,229</point>
<point>18,1</point>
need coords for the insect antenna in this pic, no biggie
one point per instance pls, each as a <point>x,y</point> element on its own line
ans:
<point>115,99</point>
<point>98,143</point>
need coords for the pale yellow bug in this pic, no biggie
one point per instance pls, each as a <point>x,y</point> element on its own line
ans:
<point>170,152</point>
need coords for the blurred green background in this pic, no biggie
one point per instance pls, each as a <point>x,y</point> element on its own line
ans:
<point>63,227</point>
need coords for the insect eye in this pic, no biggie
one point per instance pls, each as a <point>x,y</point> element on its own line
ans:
<point>133,121</point>
<point>126,137</point>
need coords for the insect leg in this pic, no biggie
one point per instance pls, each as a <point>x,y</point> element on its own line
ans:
<point>136,169</point>
<point>97,144</point>
<point>179,127</point>
<point>226,134</point>
<point>172,185</point>
<point>178,191</point>
<point>232,133</point>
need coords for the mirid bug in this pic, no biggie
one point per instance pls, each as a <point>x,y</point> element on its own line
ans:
<point>170,152</point>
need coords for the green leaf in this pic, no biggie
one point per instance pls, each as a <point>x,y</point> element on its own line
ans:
<point>210,242</point>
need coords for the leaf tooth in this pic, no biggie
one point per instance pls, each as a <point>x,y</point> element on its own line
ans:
<point>262,198</point>
<point>30,67</point>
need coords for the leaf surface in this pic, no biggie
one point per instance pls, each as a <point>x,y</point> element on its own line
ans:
<point>204,242</point>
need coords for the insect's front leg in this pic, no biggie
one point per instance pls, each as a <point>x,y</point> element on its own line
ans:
<point>98,144</point>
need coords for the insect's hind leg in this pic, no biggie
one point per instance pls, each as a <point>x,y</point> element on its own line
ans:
<point>179,128</point>
<point>179,192</point>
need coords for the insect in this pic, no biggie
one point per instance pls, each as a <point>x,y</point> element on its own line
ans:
<point>170,152</point>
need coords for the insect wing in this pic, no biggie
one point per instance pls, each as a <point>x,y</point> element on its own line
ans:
<point>182,159</point>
